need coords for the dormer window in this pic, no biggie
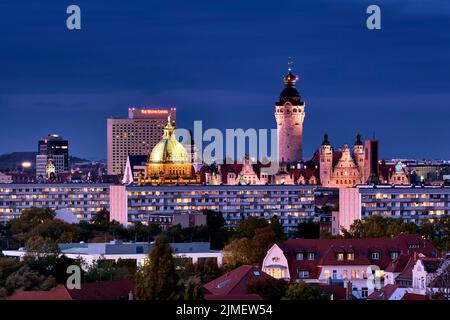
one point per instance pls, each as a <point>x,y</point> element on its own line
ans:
<point>340,256</point>
<point>311,256</point>
<point>375,255</point>
<point>299,256</point>
<point>350,256</point>
<point>394,255</point>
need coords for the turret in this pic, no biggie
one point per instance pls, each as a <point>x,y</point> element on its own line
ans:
<point>326,160</point>
<point>358,152</point>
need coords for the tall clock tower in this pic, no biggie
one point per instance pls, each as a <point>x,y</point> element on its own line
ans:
<point>289,114</point>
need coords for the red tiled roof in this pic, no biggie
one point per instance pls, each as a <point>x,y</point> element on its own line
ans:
<point>338,291</point>
<point>406,274</point>
<point>233,297</point>
<point>235,282</point>
<point>325,251</point>
<point>102,290</point>
<point>414,297</point>
<point>384,293</point>
<point>58,293</point>
<point>399,264</point>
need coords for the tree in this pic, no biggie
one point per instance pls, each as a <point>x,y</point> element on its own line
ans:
<point>193,288</point>
<point>29,219</point>
<point>263,239</point>
<point>26,279</point>
<point>309,230</point>
<point>277,229</point>
<point>101,217</point>
<point>269,289</point>
<point>238,252</point>
<point>246,228</point>
<point>214,219</point>
<point>207,270</point>
<point>157,280</point>
<point>303,291</point>
<point>249,251</point>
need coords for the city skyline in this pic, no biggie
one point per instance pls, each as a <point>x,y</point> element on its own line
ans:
<point>205,59</point>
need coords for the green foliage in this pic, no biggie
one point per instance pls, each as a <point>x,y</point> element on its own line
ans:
<point>303,291</point>
<point>207,270</point>
<point>102,217</point>
<point>249,251</point>
<point>104,270</point>
<point>157,280</point>
<point>269,289</point>
<point>247,227</point>
<point>277,229</point>
<point>192,288</point>
<point>308,230</point>
<point>436,231</point>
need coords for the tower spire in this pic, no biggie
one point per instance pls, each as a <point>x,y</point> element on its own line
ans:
<point>290,64</point>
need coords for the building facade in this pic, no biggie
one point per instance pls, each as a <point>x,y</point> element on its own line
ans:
<point>344,168</point>
<point>355,263</point>
<point>52,157</point>
<point>411,203</point>
<point>292,204</point>
<point>136,251</point>
<point>83,200</point>
<point>136,135</point>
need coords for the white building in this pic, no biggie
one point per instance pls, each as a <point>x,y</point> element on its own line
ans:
<point>136,251</point>
<point>83,200</point>
<point>290,203</point>
<point>360,262</point>
<point>411,203</point>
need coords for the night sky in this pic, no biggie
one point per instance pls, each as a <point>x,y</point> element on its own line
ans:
<point>222,62</point>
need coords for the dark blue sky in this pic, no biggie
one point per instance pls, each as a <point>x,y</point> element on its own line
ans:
<point>222,62</point>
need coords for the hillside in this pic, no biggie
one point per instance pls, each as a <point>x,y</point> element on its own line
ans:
<point>11,161</point>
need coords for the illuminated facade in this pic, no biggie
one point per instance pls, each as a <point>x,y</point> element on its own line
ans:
<point>342,169</point>
<point>413,204</point>
<point>290,203</point>
<point>169,162</point>
<point>136,135</point>
<point>52,157</point>
<point>84,200</point>
<point>341,261</point>
<point>290,114</point>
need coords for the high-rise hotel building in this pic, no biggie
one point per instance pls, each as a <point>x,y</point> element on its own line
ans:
<point>135,135</point>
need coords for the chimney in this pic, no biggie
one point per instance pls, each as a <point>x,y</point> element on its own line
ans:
<point>348,291</point>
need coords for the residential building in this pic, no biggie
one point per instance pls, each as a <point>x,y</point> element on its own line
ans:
<point>83,200</point>
<point>356,262</point>
<point>292,204</point>
<point>411,203</point>
<point>136,135</point>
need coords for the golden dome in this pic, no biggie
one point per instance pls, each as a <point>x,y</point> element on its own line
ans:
<point>169,149</point>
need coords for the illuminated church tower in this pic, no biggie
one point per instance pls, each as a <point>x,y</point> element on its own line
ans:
<point>289,114</point>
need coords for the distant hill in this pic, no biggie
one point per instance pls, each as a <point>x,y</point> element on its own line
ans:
<point>11,161</point>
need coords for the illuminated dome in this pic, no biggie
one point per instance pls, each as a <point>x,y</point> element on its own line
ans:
<point>169,149</point>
